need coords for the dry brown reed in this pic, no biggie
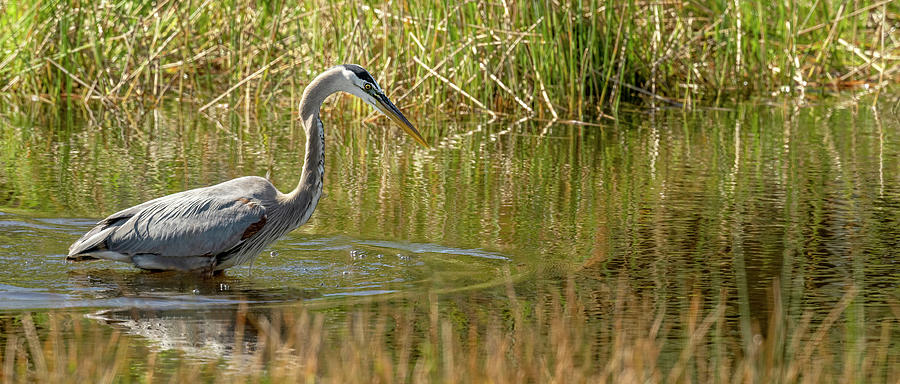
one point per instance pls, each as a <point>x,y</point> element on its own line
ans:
<point>566,336</point>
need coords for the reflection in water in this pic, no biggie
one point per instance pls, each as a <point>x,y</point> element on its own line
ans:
<point>200,334</point>
<point>706,201</point>
<point>178,290</point>
<point>151,291</point>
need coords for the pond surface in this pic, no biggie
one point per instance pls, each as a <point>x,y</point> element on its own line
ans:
<point>677,202</point>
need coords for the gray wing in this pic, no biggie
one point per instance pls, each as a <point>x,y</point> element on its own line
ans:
<point>192,223</point>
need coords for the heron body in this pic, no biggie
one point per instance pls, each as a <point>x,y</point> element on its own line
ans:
<point>212,228</point>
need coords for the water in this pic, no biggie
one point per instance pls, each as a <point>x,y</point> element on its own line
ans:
<point>714,201</point>
<point>296,268</point>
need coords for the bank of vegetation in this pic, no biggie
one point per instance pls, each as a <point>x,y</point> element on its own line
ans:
<point>566,59</point>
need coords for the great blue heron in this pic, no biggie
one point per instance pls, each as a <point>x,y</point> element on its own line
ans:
<point>220,226</point>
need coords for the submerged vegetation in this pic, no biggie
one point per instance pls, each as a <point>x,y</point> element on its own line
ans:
<point>546,58</point>
<point>561,336</point>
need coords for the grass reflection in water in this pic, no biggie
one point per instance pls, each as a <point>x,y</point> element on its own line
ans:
<point>715,246</point>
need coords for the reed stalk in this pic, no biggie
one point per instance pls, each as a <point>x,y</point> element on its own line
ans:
<point>546,59</point>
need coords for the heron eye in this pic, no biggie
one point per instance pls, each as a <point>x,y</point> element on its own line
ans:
<point>368,87</point>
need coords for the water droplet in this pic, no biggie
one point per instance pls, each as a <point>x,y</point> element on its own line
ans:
<point>273,254</point>
<point>196,291</point>
<point>356,254</point>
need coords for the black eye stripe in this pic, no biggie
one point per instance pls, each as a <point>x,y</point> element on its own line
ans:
<point>360,72</point>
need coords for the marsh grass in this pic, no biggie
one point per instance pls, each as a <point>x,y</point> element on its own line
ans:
<point>547,59</point>
<point>568,335</point>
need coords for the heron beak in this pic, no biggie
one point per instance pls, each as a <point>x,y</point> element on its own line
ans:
<point>388,108</point>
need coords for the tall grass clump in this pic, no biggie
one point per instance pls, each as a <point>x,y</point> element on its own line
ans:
<point>564,336</point>
<point>545,58</point>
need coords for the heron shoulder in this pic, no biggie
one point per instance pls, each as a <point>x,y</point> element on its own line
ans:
<point>250,187</point>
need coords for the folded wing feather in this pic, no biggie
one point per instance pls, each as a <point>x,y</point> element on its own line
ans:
<point>191,223</point>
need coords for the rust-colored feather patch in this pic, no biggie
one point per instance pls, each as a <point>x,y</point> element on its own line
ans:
<point>253,228</point>
<point>247,201</point>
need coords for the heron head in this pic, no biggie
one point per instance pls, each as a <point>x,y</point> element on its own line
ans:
<point>364,86</point>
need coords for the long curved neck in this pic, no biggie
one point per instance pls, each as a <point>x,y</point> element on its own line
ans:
<point>305,197</point>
